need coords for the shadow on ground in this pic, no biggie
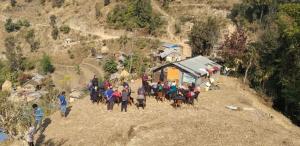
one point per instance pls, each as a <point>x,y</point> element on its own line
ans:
<point>41,130</point>
<point>68,110</point>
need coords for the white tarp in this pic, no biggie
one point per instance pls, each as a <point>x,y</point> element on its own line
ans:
<point>188,78</point>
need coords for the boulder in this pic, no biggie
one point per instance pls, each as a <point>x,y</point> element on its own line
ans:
<point>7,86</point>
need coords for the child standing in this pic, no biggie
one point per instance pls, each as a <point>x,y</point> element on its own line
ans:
<point>30,135</point>
<point>63,104</point>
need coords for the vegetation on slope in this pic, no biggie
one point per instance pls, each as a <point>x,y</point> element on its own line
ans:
<point>134,14</point>
<point>275,51</point>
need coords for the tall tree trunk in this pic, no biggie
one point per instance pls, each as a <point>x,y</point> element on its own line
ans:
<point>261,13</point>
<point>247,70</point>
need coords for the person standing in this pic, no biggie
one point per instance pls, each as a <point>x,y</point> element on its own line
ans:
<point>145,80</point>
<point>141,97</point>
<point>38,116</point>
<point>110,99</point>
<point>124,100</point>
<point>30,135</point>
<point>63,104</point>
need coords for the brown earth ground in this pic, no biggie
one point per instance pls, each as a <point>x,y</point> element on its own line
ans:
<point>208,122</point>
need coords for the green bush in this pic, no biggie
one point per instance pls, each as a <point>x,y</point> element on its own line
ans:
<point>10,26</point>
<point>46,65</point>
<point>110,66</point>
<point>65,29</point>
<point>204,35</point>
<point>135,14</point>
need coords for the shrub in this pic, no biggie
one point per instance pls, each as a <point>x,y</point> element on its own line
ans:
<point>25,23</point>
<point>46,65</point>
<point>10,26</point>
<point>28,64</point>
<point>110,66</point>
<point>13,3</point>
<point>30,39</point>
<point>55,33</point>
<point>57,3</point>
<point>204,35</point>
<point>13,53</point>
<point>177,27</point>
<point>53,20</point>
<point>65,29</point>
<point>136,14</point>
<point>14,116</point>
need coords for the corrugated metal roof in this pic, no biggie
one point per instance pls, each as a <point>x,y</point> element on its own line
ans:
<point>168,52</point>
<point>169,45</point>
<point>194,65</point>
<point>197,63</point>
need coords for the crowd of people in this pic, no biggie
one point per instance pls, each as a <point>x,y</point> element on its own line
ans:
<point>105,93</point>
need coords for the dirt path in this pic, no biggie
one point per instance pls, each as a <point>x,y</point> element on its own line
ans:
<point>207,123</point>
<point>186,52</point>
<point>68,73</point>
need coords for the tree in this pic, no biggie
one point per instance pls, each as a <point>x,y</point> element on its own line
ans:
<point>46,65</point>
<point>110,66</point>
<point>203,36</point>
<point>13,53</point>
<point>274,56</point>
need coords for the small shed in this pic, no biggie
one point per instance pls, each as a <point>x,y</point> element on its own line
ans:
<point>193,70</point>
<point>170,52</point>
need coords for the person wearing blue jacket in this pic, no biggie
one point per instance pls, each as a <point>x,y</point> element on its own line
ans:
<point>63,104</point>
<point>110,99</point>
<point>38,116</point>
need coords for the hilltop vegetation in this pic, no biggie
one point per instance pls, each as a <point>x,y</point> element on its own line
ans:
<point>135,14</point>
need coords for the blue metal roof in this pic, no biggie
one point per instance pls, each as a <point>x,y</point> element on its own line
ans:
<point>169,45</point>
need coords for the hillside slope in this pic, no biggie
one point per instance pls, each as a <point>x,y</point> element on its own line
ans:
<point>207,123</point>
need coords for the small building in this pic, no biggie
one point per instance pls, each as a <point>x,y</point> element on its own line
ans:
<point>193,70</point>
<point>170,52</point>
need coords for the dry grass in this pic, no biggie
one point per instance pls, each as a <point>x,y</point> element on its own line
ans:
<point>207,123</point>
